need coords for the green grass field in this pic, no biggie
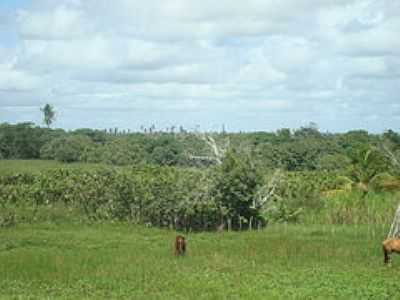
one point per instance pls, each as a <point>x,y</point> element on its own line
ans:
<point>120,261</point>
<point>9,167</point>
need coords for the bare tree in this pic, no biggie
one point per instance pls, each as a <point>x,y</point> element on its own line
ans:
<point>389,154</point>
<point>218,150</point>
<point>267,192</point>
<point>394,231</point>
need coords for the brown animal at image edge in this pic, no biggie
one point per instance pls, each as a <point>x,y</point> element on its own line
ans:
<point>389,246</point>
<point>180,245</point>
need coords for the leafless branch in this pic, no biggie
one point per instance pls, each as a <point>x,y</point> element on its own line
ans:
<point>267,192</point>
<point>395,227</point>
<point>390,154</point>
<point>218,151</point>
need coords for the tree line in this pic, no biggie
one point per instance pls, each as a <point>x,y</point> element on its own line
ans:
<point>301,149</point>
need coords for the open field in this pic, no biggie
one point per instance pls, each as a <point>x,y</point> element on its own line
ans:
<point>10,166</point>
<point>71,261</point>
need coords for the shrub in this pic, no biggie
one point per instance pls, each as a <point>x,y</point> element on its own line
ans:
<point>66,149</point>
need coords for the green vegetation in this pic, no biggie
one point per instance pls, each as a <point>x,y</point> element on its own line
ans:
<point>158,196</point>
<point>12,167</point>
<point>308,212</point>
<point>117,261</point>
<point>304,149</point>
<point>231,194</point>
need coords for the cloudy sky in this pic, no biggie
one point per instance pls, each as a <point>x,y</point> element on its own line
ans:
<point>251,65</point>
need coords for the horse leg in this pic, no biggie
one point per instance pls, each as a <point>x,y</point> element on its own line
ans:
<point>386,255</point>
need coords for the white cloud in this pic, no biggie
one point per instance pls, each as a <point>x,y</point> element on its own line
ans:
<point>61,22</point>
<point>203,62</point>
<point>369,66</point>
<point>15,80</point>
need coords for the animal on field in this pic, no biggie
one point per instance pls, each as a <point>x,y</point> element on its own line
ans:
<point>180,245</point>
<point>389,246</point>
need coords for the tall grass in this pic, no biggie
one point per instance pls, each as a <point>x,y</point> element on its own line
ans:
<point>354,208</point>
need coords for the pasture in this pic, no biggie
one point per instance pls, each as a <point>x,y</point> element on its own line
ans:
<point>32,166</point>
<point>122,261</point>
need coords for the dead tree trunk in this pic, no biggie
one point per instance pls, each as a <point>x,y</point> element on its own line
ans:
<point>395,227</point>
<point>217,151</point>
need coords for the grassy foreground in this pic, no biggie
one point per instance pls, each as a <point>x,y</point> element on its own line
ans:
<point>119,261</point>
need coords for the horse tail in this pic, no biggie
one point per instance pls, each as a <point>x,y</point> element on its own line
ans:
<point>386,255</point>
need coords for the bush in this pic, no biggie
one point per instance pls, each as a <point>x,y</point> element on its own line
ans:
<point>66,149</point>
<point>161,196</point>
<point>236,185</point>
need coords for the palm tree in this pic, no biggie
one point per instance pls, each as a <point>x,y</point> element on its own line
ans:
<point>370,170</point>
<point>49,114</point>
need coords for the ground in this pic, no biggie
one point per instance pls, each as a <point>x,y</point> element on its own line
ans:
<point>122,261</point>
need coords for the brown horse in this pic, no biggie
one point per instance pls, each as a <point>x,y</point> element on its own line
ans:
<point>389,246</point>
<point>180,245</point>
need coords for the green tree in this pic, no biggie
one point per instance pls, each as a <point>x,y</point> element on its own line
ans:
<point>166,150</point>
<point>67,149</point>
<point>236,185</point>
<point>22,140</point>
<point>368,166</point>
<point>49,114</point>
<point>122,152</point>
<point>333,162</point>
<point>283,135</point>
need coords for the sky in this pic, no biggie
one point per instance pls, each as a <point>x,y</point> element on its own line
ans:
<point>255,65</point>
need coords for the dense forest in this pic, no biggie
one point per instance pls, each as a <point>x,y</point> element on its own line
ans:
<point>203,181</point>
<point>302,149</point>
